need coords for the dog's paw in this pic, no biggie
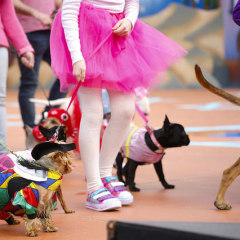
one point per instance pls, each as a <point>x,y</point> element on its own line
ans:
<point>16,222</point>
<point>168,186</point>
<point>223,205</point>
<point>32,234</point>
<point>51,229</point>
<point>33,226</point>
<point>67,211</point>
<point>12,221</point>
<point>134,189</point>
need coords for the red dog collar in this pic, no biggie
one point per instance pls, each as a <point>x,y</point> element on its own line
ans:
<point>38,135</point>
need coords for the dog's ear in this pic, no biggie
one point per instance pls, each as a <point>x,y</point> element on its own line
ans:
<point>166,123</point>
<point>62,134</point>
<point>68,167</point>
<point>47,147</point>
<point>47,133</point>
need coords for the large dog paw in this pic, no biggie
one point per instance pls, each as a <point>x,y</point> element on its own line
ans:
<point>223,205</point>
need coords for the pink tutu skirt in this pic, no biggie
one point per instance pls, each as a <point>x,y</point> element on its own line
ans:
<point>113,62</point>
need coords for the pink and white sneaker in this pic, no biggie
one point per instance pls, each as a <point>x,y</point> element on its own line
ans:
<point>102,200</point>
<point>117,189</point>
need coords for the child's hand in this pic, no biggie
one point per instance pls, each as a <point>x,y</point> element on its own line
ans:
<point>79,70</point>
<point>27,59</point>
<point>123,27</point>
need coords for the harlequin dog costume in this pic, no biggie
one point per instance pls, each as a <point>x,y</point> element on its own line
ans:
<point>19,186</point>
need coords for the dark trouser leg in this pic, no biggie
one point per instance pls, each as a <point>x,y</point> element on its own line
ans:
<point>55,89</point>
<point>29,77</point>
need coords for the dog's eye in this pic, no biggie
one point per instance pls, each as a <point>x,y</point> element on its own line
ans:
<point>64,117</point>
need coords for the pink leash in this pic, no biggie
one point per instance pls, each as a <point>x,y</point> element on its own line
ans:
<point>149,128</point>
<point>79,83</point>
<point>54,137</point>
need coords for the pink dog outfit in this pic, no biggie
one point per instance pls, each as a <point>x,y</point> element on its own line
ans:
<point>135,148</point>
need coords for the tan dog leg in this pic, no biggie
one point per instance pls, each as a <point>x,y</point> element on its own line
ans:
<point>45,217</point>
<point>48,225</point>
<point>33,226</point>
<point>61,200</point>
<point>44,209</point>
<point>228,177</point>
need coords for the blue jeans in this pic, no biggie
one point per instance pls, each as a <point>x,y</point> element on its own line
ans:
<point>29,77</point>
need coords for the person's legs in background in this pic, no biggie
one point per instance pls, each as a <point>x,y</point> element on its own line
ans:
<point>55,89</point>
<point>29,77</point>
<point>3,89</point>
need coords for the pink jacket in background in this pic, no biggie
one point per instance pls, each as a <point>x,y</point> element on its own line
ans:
<point>11,29</point>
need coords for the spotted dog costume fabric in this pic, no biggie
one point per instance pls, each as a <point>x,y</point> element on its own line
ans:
<point>20,195</point>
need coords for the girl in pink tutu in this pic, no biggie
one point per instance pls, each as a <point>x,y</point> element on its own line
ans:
<point>102,44</point>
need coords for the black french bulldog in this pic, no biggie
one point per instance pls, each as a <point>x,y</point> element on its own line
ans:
<point>143,148</point>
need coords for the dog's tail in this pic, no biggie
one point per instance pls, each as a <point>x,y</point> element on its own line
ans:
<point>202,80</point>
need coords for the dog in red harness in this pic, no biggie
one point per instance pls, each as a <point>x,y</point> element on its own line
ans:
<point>54,118</point>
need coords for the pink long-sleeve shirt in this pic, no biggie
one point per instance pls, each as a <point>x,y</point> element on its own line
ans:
<point>11,29</point>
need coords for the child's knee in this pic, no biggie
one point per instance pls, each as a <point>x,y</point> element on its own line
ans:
<point>93,118</point>
<point>125,113</point>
